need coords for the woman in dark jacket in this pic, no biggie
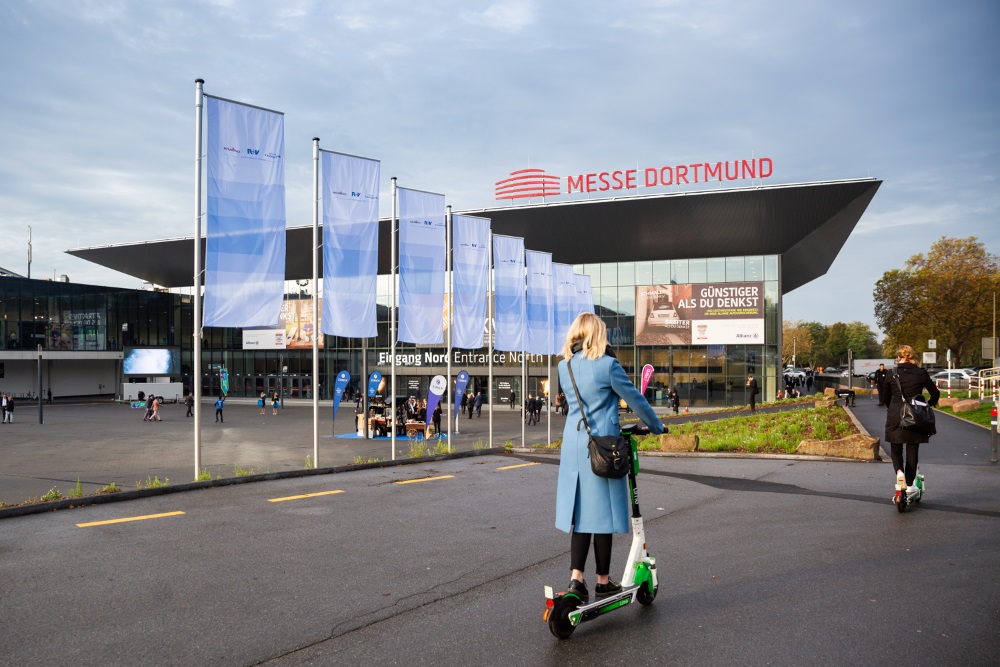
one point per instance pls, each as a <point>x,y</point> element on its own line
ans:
<point>912,380</point>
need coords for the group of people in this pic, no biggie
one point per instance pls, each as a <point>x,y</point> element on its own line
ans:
<point>469,403</point>
<point>153,404</point>
<point>7,402</point>
<point>532,409</point>
<point>275,403</point>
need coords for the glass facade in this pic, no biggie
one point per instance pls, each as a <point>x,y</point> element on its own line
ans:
<point>85,318</point>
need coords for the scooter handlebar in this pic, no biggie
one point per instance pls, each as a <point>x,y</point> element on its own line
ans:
<point>635,429</point>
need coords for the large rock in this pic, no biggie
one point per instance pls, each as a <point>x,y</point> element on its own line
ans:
<point>966,405</point>
<point>829,391</point>
<point>855,446</point>
<point>947,402</point>
<point>827,403</point>
<point>678,443</point>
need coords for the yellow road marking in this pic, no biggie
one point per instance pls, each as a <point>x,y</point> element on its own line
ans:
<point>304,495</point>
<point>519,465</point>
<point>423,479</point>
<point>131,518</point>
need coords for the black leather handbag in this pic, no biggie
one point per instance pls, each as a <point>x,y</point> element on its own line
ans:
<point>915,415</point>
<point>610,455</point>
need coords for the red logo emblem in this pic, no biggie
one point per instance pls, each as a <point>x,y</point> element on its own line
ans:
<point>528,183</point>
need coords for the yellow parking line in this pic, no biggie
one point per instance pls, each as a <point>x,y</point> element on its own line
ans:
<point>519,465</point>
<point>132,518</point>
<point>423,479</point>
<point>304,495</point>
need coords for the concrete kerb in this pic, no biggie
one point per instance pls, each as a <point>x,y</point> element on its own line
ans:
<point>135,494</point>
<point>710,455</point>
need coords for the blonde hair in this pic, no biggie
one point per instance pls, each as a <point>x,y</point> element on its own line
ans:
<point>590,331</point>
<point>905,352</point>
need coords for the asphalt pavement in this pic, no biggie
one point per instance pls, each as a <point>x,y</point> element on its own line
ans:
<point>760,562</point>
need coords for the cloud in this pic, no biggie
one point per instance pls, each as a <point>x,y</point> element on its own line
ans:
<point>512,16</point>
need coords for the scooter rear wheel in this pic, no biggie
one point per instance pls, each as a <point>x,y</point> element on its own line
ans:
<point>559,624</point>
<point>901,502</point>
<point>644,596</point>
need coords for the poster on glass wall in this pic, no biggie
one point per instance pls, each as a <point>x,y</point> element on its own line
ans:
<point>700,314</point>
<point>300,324</point>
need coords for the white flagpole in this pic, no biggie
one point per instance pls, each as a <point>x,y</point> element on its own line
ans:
<point>548,401</point>
<point>524,360</point>
<point>196,366</point>
<point>392,319</point>
<point>315,299</point>
<point>451,320</point>
<point>489,330</point>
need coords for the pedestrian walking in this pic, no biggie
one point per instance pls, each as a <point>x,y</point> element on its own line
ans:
<point>752,391</point>
<point>464,403</point>
<point>479,404</point>
<point>908,381</point>
<point>48,394</point>
<point>880,376</point>
<point>675,399</point>
<point>436,419</point>
<point>189,403</point>
<point>260,403</point>
<point>8,409</point>
<point>3,401</point>
<point>275,404</point>
<point>220,403</point>
<point>149,408</point>
<point>156,409</point>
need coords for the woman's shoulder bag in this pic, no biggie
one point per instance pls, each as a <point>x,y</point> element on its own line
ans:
<point>915,415</point>
<point>610,455</point>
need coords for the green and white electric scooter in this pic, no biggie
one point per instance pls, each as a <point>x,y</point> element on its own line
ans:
<point>565,611</point>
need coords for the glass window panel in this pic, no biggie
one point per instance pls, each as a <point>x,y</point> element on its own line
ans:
<point>734,269</point>
<point>609,275</point>
<point>643,273</point>
<point>661,272</point>
<point>697,271</point>
<point>771,268</point>
<point>754,269</point>
<point>679,271</point>
<point>594,271</point>
<point>607,298</point>
<point>626,274</point>
<point>626,301</point>
<point>716,269</point>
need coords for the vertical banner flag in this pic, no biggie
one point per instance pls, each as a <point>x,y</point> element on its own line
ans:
<point>350,244</point>
<point>538,303</point>
<point>461,382</point>
<point>422,250</point>
<point>224,381</point>
<point>438,385</point>
<point>508,284</point>
<point>470,252</point>
<point>647,373</point>
<point>374,380</point>
<point>584,296</point>
<point>343,377</point>
<point>245,236</point>
<point>566,311</point>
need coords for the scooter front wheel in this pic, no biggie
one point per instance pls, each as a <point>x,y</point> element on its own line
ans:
<point>559,623</point>
<point>644,596</point>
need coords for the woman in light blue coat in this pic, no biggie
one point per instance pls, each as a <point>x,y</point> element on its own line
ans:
<point>586,504</point>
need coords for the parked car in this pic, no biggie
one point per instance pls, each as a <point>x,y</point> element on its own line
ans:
<point>662,316</point>
<point>959,378</point>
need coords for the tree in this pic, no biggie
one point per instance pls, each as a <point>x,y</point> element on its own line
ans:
<point>796,341</point>
<point>946,295</point>
<point>836,343</point>
<point>862,342</point>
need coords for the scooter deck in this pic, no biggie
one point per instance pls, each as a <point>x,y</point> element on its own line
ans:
<point>592,610</point>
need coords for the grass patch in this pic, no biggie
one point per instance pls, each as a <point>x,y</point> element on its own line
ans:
<point>52,494</point>
<point>416,449</point>
<point>203,475</point>
<point>110,488</point>
<point>309,462</point>
<point>479,444</point>
<point>152,483</point>
<point>240,471</point>
<point>980,416</point>
<point>358,460</point>
<point>441,447</point>
<point>77,491</point>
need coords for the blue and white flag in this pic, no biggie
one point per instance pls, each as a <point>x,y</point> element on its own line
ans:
<point>374,382</point>
<point>564,283</point>
<point>245,232</point>
<point>508,285</point>
<point>584,295</point>
<point>461,382</point>
<point>539,302</point>
<point>422,264</point>
<point>471,259</point>
<point>343,377</point>
<point>350,244</point>
<point>438,385</point>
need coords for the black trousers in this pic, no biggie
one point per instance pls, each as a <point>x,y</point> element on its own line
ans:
<point>580,545</point>
<point>910,469</point>
<point>218,415</point>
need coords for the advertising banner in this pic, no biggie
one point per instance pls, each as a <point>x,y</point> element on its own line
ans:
<point>565,311</point>
<point>647,373</point>
<point>374,380</point>
<point>471,260</point>
<point>461,382</point>
<point>700,314</point>
<point>538,304</point>
<point>263,339</point>
<point>245,235</point>
<point>438,385</point>
<point>224,381</point>
<point>300,325</point>
<point>343,377</point>
<point>350,244</point>
<point>584,294</point>
<point>508,284</point>
<point>422,251</point>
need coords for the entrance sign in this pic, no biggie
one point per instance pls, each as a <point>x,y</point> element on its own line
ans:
<point>263,339</point>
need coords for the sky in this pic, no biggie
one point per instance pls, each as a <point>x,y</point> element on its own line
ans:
<point>97,109</point>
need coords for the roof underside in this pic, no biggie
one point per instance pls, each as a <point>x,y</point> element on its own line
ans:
<point>807,224</point>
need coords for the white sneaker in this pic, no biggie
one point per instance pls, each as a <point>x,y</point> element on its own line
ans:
<point>900,480</point>
<point>912,492</point>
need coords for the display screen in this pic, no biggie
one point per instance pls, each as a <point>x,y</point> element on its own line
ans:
<point>152,361</point>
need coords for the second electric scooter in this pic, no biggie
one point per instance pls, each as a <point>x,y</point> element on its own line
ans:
<point>565,611</point>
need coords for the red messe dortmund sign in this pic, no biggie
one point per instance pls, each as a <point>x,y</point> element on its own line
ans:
<point>536,183</point>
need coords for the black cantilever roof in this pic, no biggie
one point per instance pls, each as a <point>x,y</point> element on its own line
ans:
<point>806,223</point>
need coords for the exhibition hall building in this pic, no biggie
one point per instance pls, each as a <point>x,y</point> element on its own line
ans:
<point>688,282</point>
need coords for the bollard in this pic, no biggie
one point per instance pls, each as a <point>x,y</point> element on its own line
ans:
<point>993,433</point>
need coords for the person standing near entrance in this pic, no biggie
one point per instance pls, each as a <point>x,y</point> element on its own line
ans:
<point>260,403</point>
<point>48,394</point>
<point>220,403</point>
<point>479,404</point>
<point>275,404</point>
<point>880,376</point>
<point>675,400</point>
<point>189,402</point>
<point>752,390</point>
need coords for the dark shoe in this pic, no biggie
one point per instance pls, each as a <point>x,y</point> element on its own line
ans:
<point>604,590</point>
<point>578,587</point>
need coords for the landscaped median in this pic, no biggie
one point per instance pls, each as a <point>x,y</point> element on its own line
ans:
<point>814,431</point>
<point>968,408</point>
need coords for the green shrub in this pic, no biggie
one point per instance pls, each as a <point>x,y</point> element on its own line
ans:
<point>416,449</point>
<point>53,494</point>
<point>110,488</point>
<point>77,491</point>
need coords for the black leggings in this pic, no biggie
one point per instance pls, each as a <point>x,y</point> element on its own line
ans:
<point>580,545</point>
<point>910,469</point>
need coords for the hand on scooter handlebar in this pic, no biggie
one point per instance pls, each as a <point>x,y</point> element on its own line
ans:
<point>635,429</point>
